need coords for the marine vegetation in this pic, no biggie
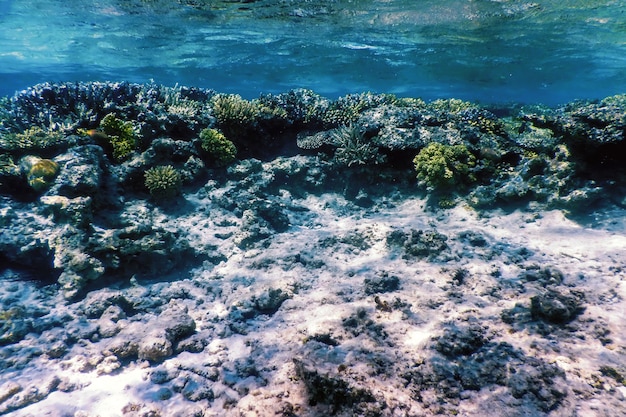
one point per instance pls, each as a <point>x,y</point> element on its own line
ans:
<point>353,148</point>
<point>347,109</point>
<point>163,181</point>
<point>121,136</point>
<point>33,139</point>
<point>451,105</point>
<point>484,121</point>
<point>234,114</point>
<point>442,167</point>
<point>300,107</point>
<point>221,150</point>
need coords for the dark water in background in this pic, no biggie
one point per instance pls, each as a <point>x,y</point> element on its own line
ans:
<point>489,50</point>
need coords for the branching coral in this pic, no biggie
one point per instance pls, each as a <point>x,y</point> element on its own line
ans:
<point>34,139</point>
<point>163,181</point>
<point>219,148</point>
<point>234,114</point>
<point>452,105</point>
<point>120,135</point>
<point>353,149</point>
<point>346,110</point>
<point>444,166</point>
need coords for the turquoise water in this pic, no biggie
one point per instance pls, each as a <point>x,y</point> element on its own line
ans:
<point>493,51</point>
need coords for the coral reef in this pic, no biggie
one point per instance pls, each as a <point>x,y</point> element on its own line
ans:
<point>32,140</point>
<point>120,136</point>
<point>163,181</point>
<point>444,166</point>
<point>160,137</point>
<point>235,116</point>
<point>40,173</point>
<point>221,150</point>
<point>309,275</point>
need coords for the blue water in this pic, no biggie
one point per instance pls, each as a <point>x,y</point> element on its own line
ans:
<point>492,51</point>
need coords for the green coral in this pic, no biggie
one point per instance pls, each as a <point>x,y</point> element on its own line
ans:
<point>219,148</point>
<point>234,114</point>
<point>347,109</point>
<point>451,105</point>
<point>484,121</point>
<point>618,100</point>
<point>121,136</point>
<point>33,139</point>
<point>444,166</point>
<point>163,181</point>
<point>353,149</point>
<point>410,102</point>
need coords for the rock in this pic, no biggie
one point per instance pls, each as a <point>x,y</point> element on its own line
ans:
<point>163,374</point>
<point>332,390</point>
<point>253,230</point>
<point>154,346</point>
<point>108,365</point>
<point>141,249</point>
<point>15,323</point>
<point>176,323</point>
<point>75,211</point>
<point>381,284</point>
<point>418,243</point>
<point>546,276</point>
<point>196,389</point>
<point>463,339</point>
<point>543,382</point>
<point>8,389</point>
<point>29,395</point>
<point>81,173</point>
<point>152,338</point>
<point>557,306</point>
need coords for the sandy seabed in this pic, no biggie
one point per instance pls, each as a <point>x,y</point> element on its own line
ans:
<point>390,309</point>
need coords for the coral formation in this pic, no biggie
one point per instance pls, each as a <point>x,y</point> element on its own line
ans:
<point>120,135</point>
<point>234,114</point>
<point>353,148</point>
<point>221,150</point>
<point>346,110</point>
<point>163,181</point>
<point>33,139</point>
<point>444,166</point>
<point>40,173</point>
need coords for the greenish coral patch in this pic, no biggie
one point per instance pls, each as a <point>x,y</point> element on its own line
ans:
<point>353,148</point>
<point>31,140</point>
<point>444,166</point>
<point>451,105</point>
<point>234,114</point>
<point>121,136</point>
<point>163,181</point>
<point>221,150</point>
<point>347,109</point>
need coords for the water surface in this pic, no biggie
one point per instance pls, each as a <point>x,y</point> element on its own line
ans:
<point>495,51</point>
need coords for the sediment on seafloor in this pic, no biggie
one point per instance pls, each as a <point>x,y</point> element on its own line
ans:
<point>371,254</point>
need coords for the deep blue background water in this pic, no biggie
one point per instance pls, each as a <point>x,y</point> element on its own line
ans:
<point>488,50</point>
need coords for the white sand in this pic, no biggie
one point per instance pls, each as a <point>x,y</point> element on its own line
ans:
<point>327,286</point>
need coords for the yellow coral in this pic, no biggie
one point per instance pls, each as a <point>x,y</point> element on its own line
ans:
<point>42,173</point>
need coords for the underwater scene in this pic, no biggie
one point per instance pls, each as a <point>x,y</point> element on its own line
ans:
<point>312,208</point>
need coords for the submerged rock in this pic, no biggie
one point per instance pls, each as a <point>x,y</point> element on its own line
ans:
<point>556,306</point>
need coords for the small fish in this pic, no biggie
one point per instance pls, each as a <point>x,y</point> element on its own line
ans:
<point>96,134</point>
